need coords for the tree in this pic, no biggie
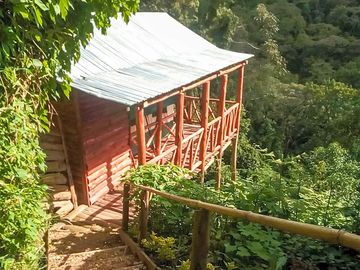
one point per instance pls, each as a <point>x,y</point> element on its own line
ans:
<point>39,42</point>
<point>350,73</point>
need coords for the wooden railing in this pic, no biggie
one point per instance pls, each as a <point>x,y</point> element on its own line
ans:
<point>190,157</point>
<point>214,129</point>
<point>158,152</point>
<point>200,234</point>
<point>230,121</point>
<point>192,109</point>
<point>198,148</point>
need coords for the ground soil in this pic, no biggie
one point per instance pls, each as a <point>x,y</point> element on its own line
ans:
<point>87,247</point>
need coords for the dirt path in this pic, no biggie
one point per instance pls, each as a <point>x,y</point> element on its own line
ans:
<point>86,247</point>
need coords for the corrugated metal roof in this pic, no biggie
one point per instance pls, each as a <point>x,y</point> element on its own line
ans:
<point>152,55</point>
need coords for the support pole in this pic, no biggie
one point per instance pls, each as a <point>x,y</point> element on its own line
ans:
<point>68,169</point>
<point>143,215</point>
<point>140,134</point>
<point>200,240</point>
<point>179,127</point>
<point>158,134</point>
<point>234,141</point>
<point>221,109</point>
<point>205,98</point>
<point>125,213</point>
<point>239,96</point>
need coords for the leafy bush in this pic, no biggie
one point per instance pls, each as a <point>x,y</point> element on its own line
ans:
<point>236,244</point>
<point>163,247</point>
<point>22,219</point>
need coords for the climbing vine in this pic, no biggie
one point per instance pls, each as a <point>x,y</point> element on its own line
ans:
<point>40,39</point>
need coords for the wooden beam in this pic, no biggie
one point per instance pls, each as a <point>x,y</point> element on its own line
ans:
<point>68,169</point>
<point>82,167</point>
<point>213,76</point>
<point>140,134</point>
<point>158,135</point>
<point>239,94</point>
<point>222,102</point>
<point>234,141</point>
<point>161,98</point>
<point>192,85</point>
<point>204,124</point>
<point>334,236</point>
<point>135,249</point>
<point>179,127</point>
<point>200,240</point>
<point>233,166</point>
<point>125,213</point>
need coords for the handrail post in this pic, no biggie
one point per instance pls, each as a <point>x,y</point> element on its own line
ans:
<point>234,140</point>
<point>204,124</point>
<point>222,108</point>
<point>143,215</point>
<point>179,127</point>
<point>200,240</point>
<point>125,214</point>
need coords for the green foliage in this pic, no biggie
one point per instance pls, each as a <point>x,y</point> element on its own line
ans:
<point>296,189</point>
<point>39,42</point>
<point>22,219</point>
<point>185,265</point>
<point>250,246</point>
<point>163,247</point>
<point>295,118</point>
<point>305,163</point>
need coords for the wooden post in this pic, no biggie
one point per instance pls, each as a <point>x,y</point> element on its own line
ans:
<point>68,169</point>
<point>239,95</point>
<point>143,215</point>
<point>125,213</point>
<point>222,100</point>
<point>234,141</point>
<point>140,134</point>
<point>200,240</point>
<point>158,134</point>
<point>205,98</point>
<point>179,127</point>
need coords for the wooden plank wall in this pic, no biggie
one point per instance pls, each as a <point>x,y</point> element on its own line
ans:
<point>56,176</point>
<point>68,112</point>
<point>105,138</point>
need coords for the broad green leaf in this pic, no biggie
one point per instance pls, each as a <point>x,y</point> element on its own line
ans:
<point>64,7</point>
<point>66,89</point>
<point>21,173</point>
<point>38,17</point>
<point>37,63</point>
<point>242,252</point>
<point>230,248</point>
<point>41,5</point>
<point>258,250</point>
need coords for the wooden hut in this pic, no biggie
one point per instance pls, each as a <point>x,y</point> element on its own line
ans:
<point>151,91</point>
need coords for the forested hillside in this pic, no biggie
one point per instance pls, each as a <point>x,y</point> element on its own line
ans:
<point>299,150</point>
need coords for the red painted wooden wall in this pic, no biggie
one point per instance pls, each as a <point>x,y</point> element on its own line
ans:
<point>97,135</point>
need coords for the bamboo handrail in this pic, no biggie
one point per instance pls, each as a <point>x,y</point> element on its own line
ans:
<point>334,236</point>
